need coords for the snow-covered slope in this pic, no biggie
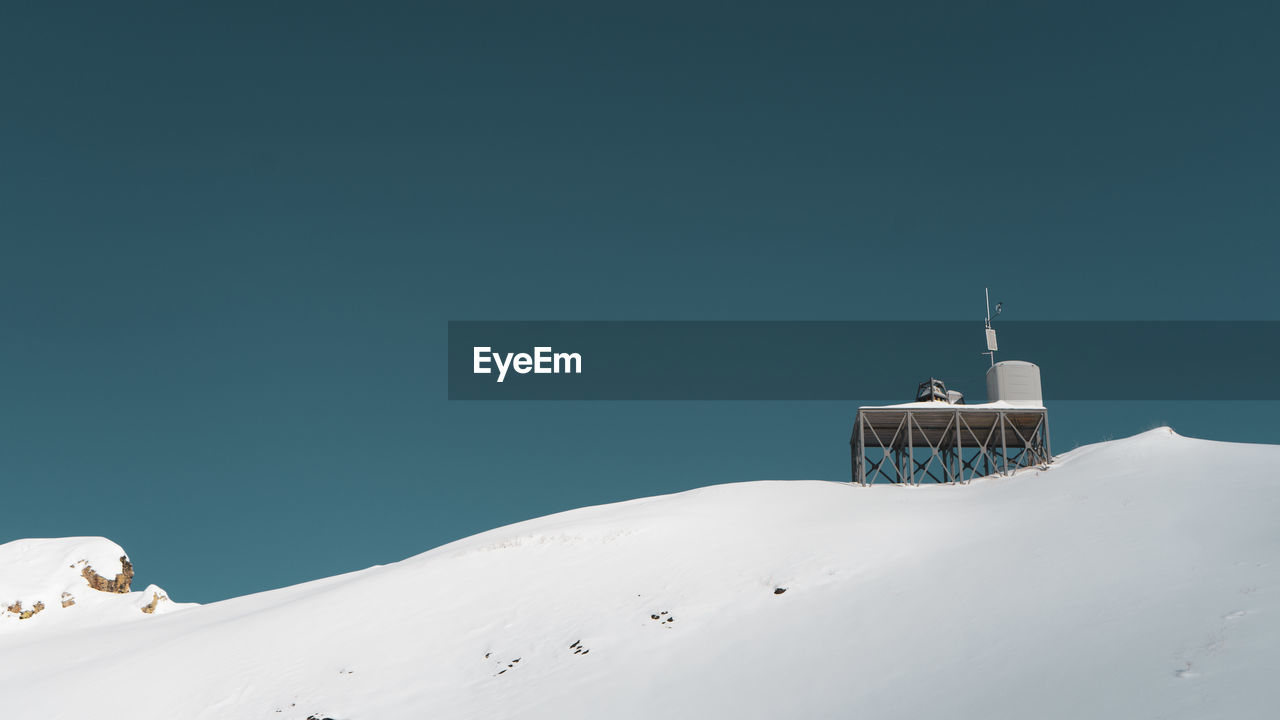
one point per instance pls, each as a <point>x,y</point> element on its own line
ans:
<point>1134,579</point>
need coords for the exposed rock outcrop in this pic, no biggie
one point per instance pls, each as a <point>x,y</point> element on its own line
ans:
<point>156,598</point>
<point>16,609</point>
<point>118,584</point>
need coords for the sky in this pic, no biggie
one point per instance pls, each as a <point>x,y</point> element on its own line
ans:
<point>233,237</point>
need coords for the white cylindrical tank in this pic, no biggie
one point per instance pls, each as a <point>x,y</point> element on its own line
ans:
<point>1014,381</point>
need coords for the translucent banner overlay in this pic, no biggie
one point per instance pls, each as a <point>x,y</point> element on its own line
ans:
<point>857,361</point>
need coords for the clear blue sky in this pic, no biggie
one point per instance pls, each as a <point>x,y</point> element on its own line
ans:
<point>232,238</point>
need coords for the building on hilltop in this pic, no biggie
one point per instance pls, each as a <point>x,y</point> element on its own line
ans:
<point>940,438</point>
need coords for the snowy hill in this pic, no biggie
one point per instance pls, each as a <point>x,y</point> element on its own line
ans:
<point>42,580</point>
<point>1133,579</point>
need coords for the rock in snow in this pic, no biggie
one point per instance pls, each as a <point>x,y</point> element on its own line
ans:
<point>46,583</point>
<point>1135,578</point>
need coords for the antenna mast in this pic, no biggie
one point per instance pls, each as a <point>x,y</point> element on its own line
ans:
<point>991,333</point>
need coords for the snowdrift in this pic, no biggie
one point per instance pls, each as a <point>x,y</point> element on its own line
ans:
<point>41,580</point>
<point>1135,578</point>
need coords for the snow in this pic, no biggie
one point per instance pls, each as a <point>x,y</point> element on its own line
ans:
<point>48,574</point>
<point>1135,578</point>
<point>936,405</point>
<point>40,567</point>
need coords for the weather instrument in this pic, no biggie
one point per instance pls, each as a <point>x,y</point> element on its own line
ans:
<point>992,346</point>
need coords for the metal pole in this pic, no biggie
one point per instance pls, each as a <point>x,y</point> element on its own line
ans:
<point>1004,448</point>
<point>854,449</point>
<point>992,353</point>
<point>1048,453</point>
<point>862,450</point>
<point>911,447</point>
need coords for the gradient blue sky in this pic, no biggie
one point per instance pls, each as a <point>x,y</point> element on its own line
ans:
<point>233,235</point>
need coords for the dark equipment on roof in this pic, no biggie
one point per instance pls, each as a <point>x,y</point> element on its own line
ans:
<point>931,390</point>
